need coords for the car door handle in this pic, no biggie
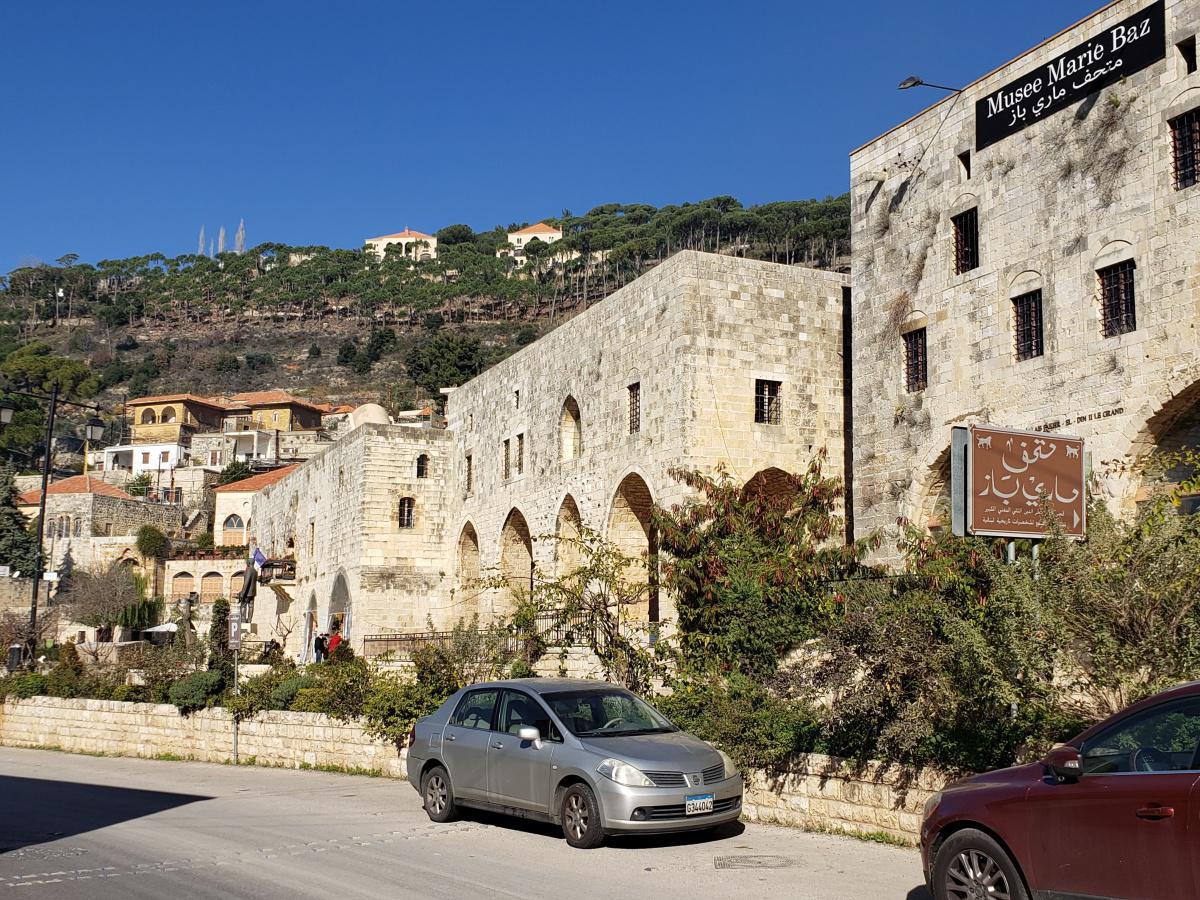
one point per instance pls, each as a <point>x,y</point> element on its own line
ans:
<point>499,745</point>
<point>449,737</point>
<point>1156,812</point>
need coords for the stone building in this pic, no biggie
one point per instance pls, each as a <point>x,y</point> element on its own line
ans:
<point>707,361</point>
<point>231,508</point>
<point>1024,255</point>
<point>411,244</point>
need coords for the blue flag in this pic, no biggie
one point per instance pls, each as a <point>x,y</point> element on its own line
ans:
<point>260,558</point>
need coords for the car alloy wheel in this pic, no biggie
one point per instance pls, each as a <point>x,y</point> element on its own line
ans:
<point>973,875</point>
<point>577,816</point>
<point>436,795</point>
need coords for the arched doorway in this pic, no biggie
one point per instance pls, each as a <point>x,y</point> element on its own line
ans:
<point>182,584</point>
<point>568,554</point>
<point>631,529</point>
<point>516,554</point>
<point>212,585</point>
<point>1175,427</point>
<point>771,482</point>
<point>310,629</point>
<point>340,607</point>
<point>570,430</point>
<point>467,578</point>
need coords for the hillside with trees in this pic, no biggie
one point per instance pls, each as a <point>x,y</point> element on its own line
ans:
<point>344,324</point>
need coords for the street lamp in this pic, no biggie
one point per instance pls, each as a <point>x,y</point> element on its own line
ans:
<point>913,81</point>
<point>94,430</point>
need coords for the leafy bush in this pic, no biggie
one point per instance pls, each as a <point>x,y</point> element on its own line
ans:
<point>314,351</point>
<point>152,543</point>
<point>131,693</point>
<point>393,703</point>
<point>273,689</point>
<point>23,685</point>
<point>284,693</point>
<point>162,666</point>
<point>197,690</point>
<point>204,541</point>
<point>752,725</point>
<point>338,689</point>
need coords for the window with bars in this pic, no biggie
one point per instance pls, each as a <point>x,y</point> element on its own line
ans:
<point>1117,304</point>
<point>916,361</point>
<point>1185,141</point>
<point>635,407</point>
<point>507,462</point>
<point>520,453</point>
<point>766,401</point>
<point>1027,312</point>
<point>422,466</point>
<point>966,241</point>
<point>470,474</point>
<point>407,506</point>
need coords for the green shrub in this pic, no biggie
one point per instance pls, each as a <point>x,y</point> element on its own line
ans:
<point>284,694</point>
<point>23,685</point>
<point>740,716</point>
<point>337,690</point>
<point>394,702</point>
<point>152,543</point>
<point>196,691</point>
<point>273,689</point>
<point>204,540</point>
<point>130,693</point>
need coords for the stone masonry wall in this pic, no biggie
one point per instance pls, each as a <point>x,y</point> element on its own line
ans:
<point>1088,186</point>
<point>817,792</point>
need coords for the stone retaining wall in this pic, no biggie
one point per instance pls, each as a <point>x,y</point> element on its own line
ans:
<point>816,792</point>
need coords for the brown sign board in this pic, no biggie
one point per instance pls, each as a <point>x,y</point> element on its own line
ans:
<point>1012,475</point>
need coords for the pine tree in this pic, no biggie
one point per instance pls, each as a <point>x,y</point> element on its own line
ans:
<point>200,249</point>
<point>239,239</point>
<point>18,543</point>
<point>221,241</point>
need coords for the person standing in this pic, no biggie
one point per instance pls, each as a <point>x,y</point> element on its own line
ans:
<point>334,641</point>
<point>319,648</point>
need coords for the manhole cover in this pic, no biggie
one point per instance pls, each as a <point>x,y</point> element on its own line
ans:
<point>753,862</point>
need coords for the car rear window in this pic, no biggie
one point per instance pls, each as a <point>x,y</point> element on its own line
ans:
<point>475,709</point>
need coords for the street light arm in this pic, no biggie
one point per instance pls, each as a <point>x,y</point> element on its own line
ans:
<point>94,407</point>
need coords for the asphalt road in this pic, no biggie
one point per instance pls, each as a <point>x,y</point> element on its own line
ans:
<point>88,827</point>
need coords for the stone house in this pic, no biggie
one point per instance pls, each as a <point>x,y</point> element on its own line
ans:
<point>1024,255</point>
<point>232,506</point>
<point>413,244</point>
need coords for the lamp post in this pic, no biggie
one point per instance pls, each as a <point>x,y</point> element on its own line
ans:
<point>913,81</point>
<point>93,431</point>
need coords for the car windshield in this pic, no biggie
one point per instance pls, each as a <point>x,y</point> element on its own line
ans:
<point>606,713</point>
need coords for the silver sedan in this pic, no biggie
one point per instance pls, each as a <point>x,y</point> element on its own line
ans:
<point>587,755</point>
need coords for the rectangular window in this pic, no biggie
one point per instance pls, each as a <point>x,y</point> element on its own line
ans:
<point>966,241</point>
<point>145,459</point>
<point>635,407</point>
<point>766,401</point>
<point>407,505</point>
<point>164,456</point>
<point>1117,304</point>
<point>1027,309</point>
<point>520,453</point>
<point>1187,53</point>
<point>517,399</point>
<point>964,160</point>
<point>916,362</point>
<point>1185,140</point>
<point>507,462</point>
<point>470,476</point>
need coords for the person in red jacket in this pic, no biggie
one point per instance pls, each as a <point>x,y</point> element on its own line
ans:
<point>333,643</point>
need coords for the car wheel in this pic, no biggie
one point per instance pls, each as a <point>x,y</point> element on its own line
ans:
<point>580,817</point>
<point>437,795</point>
<point>970,865</point>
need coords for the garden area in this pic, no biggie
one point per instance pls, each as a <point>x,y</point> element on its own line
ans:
<point>784,639</point>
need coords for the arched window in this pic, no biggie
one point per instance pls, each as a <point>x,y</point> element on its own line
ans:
<point>407,505</point>
<point>168,414</point>
<point>422,466</point>
<point>148,417</point>
<point>211,586</point>
<point>570,430</point>
<point>233,523</point>
<point>78,529</point>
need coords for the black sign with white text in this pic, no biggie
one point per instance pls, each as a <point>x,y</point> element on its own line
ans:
<point>1125,48</point>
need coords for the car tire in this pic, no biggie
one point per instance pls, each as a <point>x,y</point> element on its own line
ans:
<point>579,814</point>
<point>970,858</point>
<point>437,796</point>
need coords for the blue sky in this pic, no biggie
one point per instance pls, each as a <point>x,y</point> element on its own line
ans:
<point>126,126</point>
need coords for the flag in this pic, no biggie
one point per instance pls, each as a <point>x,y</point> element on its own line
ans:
<point>260,558</point>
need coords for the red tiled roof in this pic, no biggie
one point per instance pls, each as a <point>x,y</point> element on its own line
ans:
<point>406,233</point>
<point>539,228</point>
<point>214,402</point>
<point>76,484</point>
<point>256,482</point>
<point>275,397</point>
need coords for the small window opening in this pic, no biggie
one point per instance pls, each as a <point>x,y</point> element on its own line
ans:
<point>407,505</point>
<point>1118,308</point>
<point>1187,52</point>
<point>1027,309</point>
<point>470,475</point>
<point>766,401</point>
<point>422,466</point>
<point>520,453</point>
<point>635,407</point>
<point>916,361</point>
<point>507,461</point>
<point>964,159</point>
<point>1185,144</point>
<point>966,241</point>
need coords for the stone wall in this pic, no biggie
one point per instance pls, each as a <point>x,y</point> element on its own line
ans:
<point>815,792</point>
<point>286,739</point>
<point>1088,186</point>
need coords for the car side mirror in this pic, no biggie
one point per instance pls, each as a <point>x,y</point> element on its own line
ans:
<point>1064,763</point>
<point>530,734</point>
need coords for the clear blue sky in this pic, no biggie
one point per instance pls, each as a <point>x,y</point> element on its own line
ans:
<point>126,125</point>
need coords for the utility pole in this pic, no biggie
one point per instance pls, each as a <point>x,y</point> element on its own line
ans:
<point>31,637</point>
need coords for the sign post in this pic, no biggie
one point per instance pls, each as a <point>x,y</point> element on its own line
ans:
<point>235,644</point>
<point>1009,480</point>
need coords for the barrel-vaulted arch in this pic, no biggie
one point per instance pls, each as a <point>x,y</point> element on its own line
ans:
<point>568,532</point>
<point>340,606</point>
<point>1171,426</point>
<point>468,590</point>
<point>631,529</point>
<point>516,555</point>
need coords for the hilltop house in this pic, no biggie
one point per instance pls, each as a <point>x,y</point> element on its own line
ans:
<point>519,239</point>
<point>413,244</point>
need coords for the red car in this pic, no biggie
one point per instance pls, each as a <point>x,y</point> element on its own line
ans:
<point>1114,813</point>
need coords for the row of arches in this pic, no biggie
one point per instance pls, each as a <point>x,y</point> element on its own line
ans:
<point>211,586</point>
<point>64,526</point>
<point>149,417</point>
<point>629,526</point>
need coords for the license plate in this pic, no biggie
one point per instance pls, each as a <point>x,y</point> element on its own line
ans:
<point>697,804</point>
